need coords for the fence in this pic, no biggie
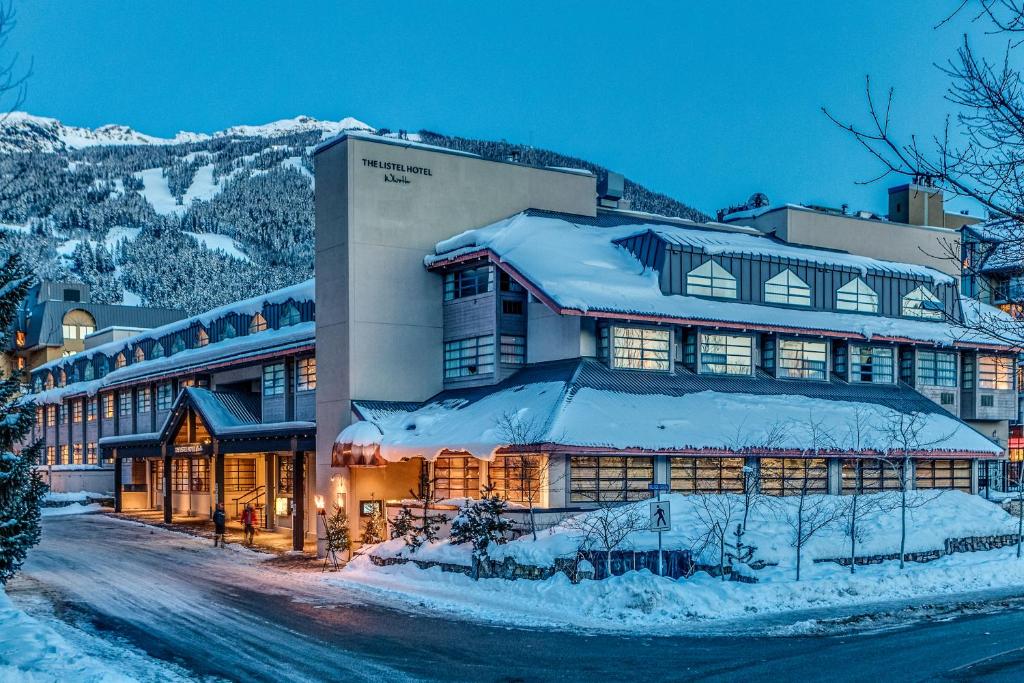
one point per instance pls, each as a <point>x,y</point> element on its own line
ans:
<point>1000,475</point>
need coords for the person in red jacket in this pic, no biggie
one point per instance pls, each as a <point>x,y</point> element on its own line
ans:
<point>249,523</point>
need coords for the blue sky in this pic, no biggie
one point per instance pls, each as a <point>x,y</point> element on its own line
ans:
<point>705,101</point>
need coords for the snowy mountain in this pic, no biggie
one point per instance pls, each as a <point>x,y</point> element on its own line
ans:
<point>192,221</point>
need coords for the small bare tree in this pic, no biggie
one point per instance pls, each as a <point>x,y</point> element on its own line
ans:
<point>902,435</point>
<point>813,511</point>
<point>531,470</point>
<point>717,514</point>
<point>607,528</point>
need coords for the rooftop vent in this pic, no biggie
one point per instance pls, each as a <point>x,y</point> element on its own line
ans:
<point>610,189</point>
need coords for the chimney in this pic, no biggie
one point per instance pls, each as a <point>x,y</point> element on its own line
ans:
<point>917,203</point>
<point>610,189</point>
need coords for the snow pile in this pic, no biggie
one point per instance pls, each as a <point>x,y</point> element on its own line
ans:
<point>32,651</point>
<point>72,509</point>
<point>604,276</point>
<point>73,496</point>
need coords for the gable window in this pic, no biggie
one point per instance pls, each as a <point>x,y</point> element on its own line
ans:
<point>855,295</point>
<point>140,355</point>
<point>164,396</point>
<point>799,359</point>
<point>157,351</point>
<point>871,364</point>
<point>787,288</point>
<point>936,369</point>
<point>921,303</point>
<point>507,284</point>
<point>144,400</point>
<point>125,403</point>
<point>468,357</point>
<point>120,361</point>
<point>202,337</point>
<point>305,374</point>
<point>513,349</point>
<point>257,324</point>
<point>88,373</point>
<point>273,379</point>
<point>638,348</point>
<point>228,332</point>
<point>62,378</point>
<point>290,315</point>
<point>711,279</point>
<point>726,354</point>
<point>995,372</point>
<point>463,283</point>
<point>178,345</point>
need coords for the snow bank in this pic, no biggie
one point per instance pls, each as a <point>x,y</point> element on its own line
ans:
<point>73,509</point>
<point>74,496</point>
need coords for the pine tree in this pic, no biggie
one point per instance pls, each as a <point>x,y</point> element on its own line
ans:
<point>21,487</point>
<point>483,524</point>
<point>375,528</point>
<point>404,524</point>
<point>338,538</point>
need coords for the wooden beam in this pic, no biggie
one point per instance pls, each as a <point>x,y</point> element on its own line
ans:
<point>167,485</point>
<point>117,482</point>
<point>299,500</point>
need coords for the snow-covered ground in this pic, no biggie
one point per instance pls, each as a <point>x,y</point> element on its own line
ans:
<point>73,496</point>
<point>72,509</point>
<point>641,601</point>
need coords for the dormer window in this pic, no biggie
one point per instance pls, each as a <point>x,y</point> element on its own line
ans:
<point>62,378</point>
<point>178,345</point>
<point>787,288</point>
<point>257,324</point>
<point>157,350</point>
<point>120,361</point>
<point>202,337</point>
<point>711,279</point>
<point>855,295</point>
<point>229,330</point>
<point>290,315</point>
<point>104,367</point>
<point>470,282</point>
<point>88,373</point>
<point>140,355</point>
<point>49,381</point>
<point>921,303</point>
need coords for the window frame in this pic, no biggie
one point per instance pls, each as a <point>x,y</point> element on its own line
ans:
<point>467,282</point>
<point>712,279</point>
<point>912,304</point>
<point>999,376</point>
<point>656,359</point>
<point>783,369</point>
<point>305,373</point>
<point>704,367</point>
<point>859,367</point>
<point>926,377</point>
<point>857,296</point>
<point>273,379</point>
<point>634,474</point>
<point>787,288</point>
<point>457,358</point>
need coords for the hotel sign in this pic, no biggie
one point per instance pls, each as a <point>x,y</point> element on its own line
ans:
<point>394,172</point>
<point>191,449</point>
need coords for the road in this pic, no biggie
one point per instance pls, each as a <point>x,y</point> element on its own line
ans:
<point>223,615</point>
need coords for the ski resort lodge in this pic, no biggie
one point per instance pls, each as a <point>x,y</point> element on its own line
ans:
<point>468,312</point>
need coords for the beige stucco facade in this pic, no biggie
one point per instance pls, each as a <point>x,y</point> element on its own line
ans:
<point>381,206</point>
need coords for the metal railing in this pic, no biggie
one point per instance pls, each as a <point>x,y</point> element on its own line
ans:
<point>1003,476</point>
<point>254,496</point>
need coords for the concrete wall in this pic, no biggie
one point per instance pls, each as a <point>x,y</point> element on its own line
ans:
<point>70,481</point>
<point>379,312</point>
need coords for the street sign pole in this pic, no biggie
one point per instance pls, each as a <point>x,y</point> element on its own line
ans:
<point>661,571</point>
<point>665,522</point>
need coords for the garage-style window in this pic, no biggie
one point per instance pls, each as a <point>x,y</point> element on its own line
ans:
<point>517,477</point>
<point>609,479</point>
<point>872,364</point>
<point>468,357</point>
<point>798,359</point>
<point>711,279</point>
<point>943,474</point>
<point>936,369</point>
<point>790,476</point>
<point>726,354</point>
<point>457,476</point>
<point>636,348</point>
<point>787,288</point>
<point>706,475</point>
<point>469,282</point>
<point>995,372</point>
<point>871,476</point>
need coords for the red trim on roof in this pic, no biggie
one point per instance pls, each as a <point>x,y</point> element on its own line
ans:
<point>660,319</point>
<point>724,452</point>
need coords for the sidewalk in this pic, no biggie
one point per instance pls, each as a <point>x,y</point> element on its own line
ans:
<point>277,542</point>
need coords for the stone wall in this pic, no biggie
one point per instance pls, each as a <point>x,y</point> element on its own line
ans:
<point>970,544</point>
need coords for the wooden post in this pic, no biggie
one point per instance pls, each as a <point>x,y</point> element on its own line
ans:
<point>218,471</point>
<point>269,513</point>
<point>167,484</point>
<point>299,500</point>
<point>117,482</point>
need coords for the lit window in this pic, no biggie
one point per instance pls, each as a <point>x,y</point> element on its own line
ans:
<point>936,369</point>
<point>726,354</point>
<point>802,359</point>
<point>855,295</point>
<point>871,364</point>
<point>125,403</point>
<point>76,411</point>
<point>108,406</point>
<point>517,478</point>
<point>995,372</point>
<point>40,416</point>
<point>609,478</point>
<point>63,458</point>
<point>921,303</point>
<point>76,454</point>
<point>143,401</point>
<point>51,455</point>
<point>203,338</point>
<point>513,349</point>
<point>457,477</point>
<point>468,357</point>
<point>164,396</point>
<point>51,416</point>
<point>711,279</point>
<point>258,323</point>
<point>273,379</point>
<point>639,348</point>
<point>140,355</point>
<point>120,361</point>
<point>90,454</point>
<point>787,288</point>
<point>70,331</point>
<point>19,338</point>
<point>470,282</point>
<point>305,374</point>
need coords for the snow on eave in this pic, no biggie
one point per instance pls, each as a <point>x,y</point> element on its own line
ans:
<point>304,291</point>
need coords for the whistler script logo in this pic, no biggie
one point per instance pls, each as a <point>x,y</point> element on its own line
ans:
<point>395,172</point>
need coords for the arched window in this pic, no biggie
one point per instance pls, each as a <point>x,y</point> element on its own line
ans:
<point>711,279</point>
<point>140,355</point>
<point>257,324</point>
<point>178,345</point>
<point>855,295</point>
<point>921,303</point>
<point>202,337</point>
<point>77,324</point>
<point>290,315</point>
<point>120,361</point>
<point>787,288</point>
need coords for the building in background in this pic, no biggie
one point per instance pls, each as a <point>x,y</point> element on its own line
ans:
<point>56,320</point>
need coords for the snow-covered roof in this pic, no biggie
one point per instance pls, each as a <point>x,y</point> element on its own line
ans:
<point>585,405</point>
<point>581,268</point>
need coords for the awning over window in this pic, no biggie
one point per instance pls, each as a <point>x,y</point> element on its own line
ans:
<point>358,445</point>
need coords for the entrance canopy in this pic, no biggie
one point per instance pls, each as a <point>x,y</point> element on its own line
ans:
<point>202,421</point>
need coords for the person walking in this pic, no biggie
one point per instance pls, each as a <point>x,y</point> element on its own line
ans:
<point>219,521</point>
<point>249,522</point>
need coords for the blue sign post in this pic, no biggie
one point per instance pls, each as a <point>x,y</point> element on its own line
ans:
<point>661,518</point>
